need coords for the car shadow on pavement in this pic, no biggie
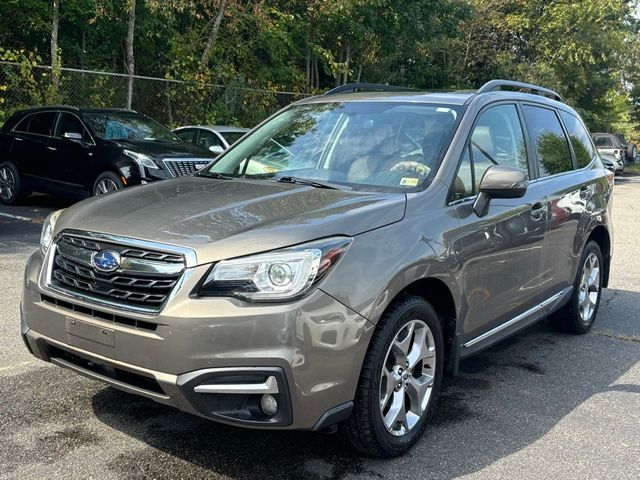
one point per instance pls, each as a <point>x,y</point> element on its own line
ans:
<point>504,399</point>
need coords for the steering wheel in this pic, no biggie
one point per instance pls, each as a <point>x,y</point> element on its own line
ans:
<point>411,167</point>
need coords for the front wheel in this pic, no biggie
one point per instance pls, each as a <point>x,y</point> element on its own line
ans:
<point>107,182</point>
<point>578,315</point>
<point>400,380</point>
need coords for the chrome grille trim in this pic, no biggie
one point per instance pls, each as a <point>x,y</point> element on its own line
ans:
<point>139,285</point>
<point>179,167</point>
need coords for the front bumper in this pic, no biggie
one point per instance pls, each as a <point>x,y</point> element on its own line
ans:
<point>312,349</point>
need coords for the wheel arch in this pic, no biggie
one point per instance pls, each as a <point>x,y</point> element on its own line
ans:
<point>435,290</point>
<point>601,236</point>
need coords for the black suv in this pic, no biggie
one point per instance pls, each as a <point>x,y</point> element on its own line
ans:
<point>68,150</point>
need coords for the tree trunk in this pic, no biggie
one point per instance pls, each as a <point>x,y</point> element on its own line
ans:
<point>359,73</point>
<point>308,71</point>
<point>55,61</point>
<point>316,74</point>
<point>345,77</point>
<point>213,34</point>
<point>130,58</point>
<point>338,73</point>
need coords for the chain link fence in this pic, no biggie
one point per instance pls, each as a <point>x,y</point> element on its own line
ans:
<point>171,102</point>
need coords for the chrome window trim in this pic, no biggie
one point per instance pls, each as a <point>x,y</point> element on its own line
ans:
<point>57,113</point>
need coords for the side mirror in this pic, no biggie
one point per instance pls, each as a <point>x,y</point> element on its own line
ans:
<point>72,136</point>
<point>217,149</point>
<point>500,181</point>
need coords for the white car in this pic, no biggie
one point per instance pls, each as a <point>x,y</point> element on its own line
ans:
<point>616,165</point>
<point>216,138</point>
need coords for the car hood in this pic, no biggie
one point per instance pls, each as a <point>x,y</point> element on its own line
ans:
<point>221,219</point>
<point>166,149</point>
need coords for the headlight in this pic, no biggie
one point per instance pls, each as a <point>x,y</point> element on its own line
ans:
<point>141,159</point>
<point>46,237</point>
<point>275,276</point>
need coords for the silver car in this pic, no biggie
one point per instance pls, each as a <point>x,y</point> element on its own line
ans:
<point>216,138</point>
<point>383,237</point>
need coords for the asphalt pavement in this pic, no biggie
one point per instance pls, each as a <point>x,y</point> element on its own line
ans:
<point>541,405</point>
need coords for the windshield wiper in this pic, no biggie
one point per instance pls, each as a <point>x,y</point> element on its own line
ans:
<point>306,181</point>
<point>215,175</point>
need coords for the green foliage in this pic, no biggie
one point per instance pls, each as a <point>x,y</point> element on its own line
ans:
<point>589,50</point>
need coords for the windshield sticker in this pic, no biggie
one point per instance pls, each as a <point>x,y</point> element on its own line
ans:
<point>409,182</point>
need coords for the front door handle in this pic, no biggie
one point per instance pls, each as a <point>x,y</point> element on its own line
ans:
<point>538,209</point>
<point>18,139</point>
<point>52,148</point>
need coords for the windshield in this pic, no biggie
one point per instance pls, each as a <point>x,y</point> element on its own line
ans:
<point>382,144</point>
<point>232,137</point>
<point>128,126</point>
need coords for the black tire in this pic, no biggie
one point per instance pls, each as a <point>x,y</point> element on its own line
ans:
<point>11,187</point>
<point>106,180</point>
<point>632,150</point>
<point>569,318</point>
<point>365,429</point>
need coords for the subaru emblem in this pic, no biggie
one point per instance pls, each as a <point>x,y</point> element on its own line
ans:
<point>106,260</point>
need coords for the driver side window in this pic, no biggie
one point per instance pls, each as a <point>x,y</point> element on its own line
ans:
<point>497,139</point>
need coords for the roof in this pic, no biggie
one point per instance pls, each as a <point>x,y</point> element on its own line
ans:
<point>71,108</point>
<point>217,128</point>
<point>455,98</point>
<point>448,98</point>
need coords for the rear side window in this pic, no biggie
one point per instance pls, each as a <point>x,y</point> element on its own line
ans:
<point>550,144</point>
<point>497,139</point>
<point>187,135</point>
<point>42,123</point>
<point>580,140</point>
<point>209,139</point>
<point>603,141</point>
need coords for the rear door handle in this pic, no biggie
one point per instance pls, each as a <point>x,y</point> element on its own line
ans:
<point>18,139</point>
<point>538,209</point>
<point>52,148</point>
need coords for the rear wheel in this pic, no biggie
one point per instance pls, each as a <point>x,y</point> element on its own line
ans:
<point>11,190</point>
<point>107,182</point>
<point>579,314</point>
<point>399,381</point>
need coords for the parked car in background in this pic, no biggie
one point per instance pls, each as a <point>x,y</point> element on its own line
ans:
<point>68,150</point>
<point>616,165</point>
<point>615,145</point>
<point>215,138</point>
<point>400,233</point>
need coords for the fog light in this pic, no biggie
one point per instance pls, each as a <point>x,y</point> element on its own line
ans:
<point>269,404</point>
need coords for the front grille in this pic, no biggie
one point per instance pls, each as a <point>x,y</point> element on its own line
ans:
<point>143,280</point>
<point>179,168</point>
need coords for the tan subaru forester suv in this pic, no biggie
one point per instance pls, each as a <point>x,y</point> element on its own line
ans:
<point>333,264</point>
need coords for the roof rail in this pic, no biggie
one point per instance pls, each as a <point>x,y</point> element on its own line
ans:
<point>366,87</point>
<point>494,85</point>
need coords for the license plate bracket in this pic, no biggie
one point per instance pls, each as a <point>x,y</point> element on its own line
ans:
<point>93,333</point>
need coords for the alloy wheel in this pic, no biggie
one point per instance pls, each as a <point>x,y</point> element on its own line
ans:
<point>7,184</point>
<point>589,287</point>
<point>407,378</point>
<point>106,185</point>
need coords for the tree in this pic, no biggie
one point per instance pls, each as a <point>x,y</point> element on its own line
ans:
<point>131,25</point>
<point>55,61</point>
